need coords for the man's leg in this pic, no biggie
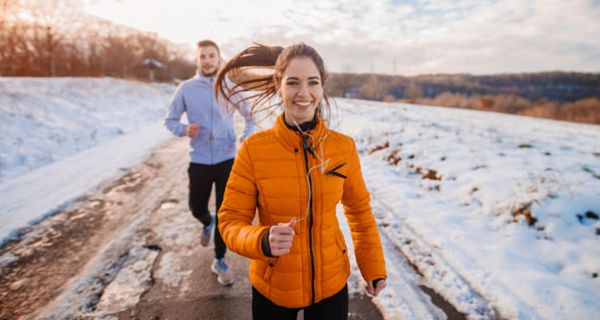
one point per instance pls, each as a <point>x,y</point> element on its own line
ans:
<point>225,276</point>
<point>200,186</point>
<point>222,175</point>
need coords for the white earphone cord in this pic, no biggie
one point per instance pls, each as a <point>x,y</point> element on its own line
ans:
<point>322,164</point>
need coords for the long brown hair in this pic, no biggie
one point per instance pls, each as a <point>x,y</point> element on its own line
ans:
<point>262,89</point>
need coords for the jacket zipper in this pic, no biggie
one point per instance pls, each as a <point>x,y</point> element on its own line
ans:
<point>310,218</point>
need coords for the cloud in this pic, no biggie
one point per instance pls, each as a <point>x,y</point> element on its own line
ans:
<point>428,36</point>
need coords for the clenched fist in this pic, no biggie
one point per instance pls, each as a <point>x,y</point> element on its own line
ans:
<point>281,237</point>
<point>192,130</point>
<point>380,285</point>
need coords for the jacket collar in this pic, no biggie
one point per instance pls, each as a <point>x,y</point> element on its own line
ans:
<point>201,78</point>
<point>304,126</point>
<point>292,139</point>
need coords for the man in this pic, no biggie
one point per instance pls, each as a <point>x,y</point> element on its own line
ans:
<point>212,145</point>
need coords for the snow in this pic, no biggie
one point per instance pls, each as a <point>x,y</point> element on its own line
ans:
<point>44,121</point>
<point>129,284</point>
<point>506,224</point>
<point>490,165</point>
<point>63,137</point>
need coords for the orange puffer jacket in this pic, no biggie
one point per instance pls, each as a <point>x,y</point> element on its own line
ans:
<point>270,173</point>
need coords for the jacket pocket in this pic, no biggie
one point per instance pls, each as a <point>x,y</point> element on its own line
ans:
<point>270,265</point>
<point>338,171</point>
<point>344,250</point>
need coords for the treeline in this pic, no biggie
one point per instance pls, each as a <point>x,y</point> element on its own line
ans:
<point>55,38</point>
<point>555,95</point>
<point>49,38</point>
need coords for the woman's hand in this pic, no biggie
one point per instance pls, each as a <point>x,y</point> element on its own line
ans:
<point>378,287</point>
<point>281,237</point>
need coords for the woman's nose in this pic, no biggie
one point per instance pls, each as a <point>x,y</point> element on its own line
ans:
<point>303,90</point>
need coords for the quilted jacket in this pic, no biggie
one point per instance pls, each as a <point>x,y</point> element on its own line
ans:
<point>274,174</point>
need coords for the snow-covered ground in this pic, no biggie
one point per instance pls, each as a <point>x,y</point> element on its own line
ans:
<point>487,204</point>
<point>61,138</point>
<point>499,213</point>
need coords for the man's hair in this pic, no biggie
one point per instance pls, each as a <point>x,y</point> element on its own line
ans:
<point>208,43</point>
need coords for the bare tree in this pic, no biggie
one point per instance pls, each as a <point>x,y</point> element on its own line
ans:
<point>54,37</point>
<point>9,27</point>
<point>374,88</point>
<point>53,21</point>
<point>341,84</point>
<point>413,91</point>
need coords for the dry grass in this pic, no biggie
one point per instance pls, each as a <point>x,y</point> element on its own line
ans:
<point>379,147</point>
<point>525,212</point>
<point>428,174</point>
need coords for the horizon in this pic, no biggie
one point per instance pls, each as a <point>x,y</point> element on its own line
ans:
<point>473,74</point>
<point>388,37</point>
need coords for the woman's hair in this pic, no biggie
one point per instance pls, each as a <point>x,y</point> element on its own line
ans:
<point>262,89</point>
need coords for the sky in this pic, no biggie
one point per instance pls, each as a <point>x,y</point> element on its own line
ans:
<point>386,36</point>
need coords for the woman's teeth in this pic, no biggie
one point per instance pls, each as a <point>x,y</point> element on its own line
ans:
<point>303,103</point>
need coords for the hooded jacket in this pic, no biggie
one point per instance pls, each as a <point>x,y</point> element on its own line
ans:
<point>216,137</point>
<point>272,173</point>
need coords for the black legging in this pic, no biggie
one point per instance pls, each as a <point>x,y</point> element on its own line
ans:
<point>332,308</point>
<point>202,177</point>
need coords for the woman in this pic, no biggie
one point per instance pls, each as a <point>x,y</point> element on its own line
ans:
<point>295,174</point>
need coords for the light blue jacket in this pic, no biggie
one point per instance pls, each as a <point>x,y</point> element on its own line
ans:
<point>216,137</point>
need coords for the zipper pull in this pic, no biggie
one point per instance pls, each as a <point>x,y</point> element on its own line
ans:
<point>306,147</point>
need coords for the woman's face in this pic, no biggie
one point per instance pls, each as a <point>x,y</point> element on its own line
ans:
<point>301,90</point>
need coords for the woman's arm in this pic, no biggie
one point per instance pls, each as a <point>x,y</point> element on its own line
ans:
<point>238,209</point>
<point>363,228</point>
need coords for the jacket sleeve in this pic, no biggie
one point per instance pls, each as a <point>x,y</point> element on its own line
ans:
<point>243,107</point>
<point>176,109</point>
<point>365,236</point>
<point>245,111</point>
<point>238,209</point>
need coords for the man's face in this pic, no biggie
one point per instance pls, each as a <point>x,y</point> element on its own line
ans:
<point>208,60</point>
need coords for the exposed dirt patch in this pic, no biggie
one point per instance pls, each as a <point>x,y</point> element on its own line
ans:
<point>42,265</point>
<point>50,253</point>
<point>379,147</point>
<point>213,307</point>
<point>525,212</point>
<point>394,157</point>
<point>428,173</point>
<point>42,270</point>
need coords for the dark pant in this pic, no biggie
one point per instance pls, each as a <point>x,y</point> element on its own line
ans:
<point>202,177</point>
<point>332,308</point>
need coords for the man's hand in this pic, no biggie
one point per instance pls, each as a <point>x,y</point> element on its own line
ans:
<point>281,237</point>
<point>378,287</point>
<point>192,130</point>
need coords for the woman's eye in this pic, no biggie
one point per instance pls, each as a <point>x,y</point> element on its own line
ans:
<point>314,83</point>
<point>292,83</point>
